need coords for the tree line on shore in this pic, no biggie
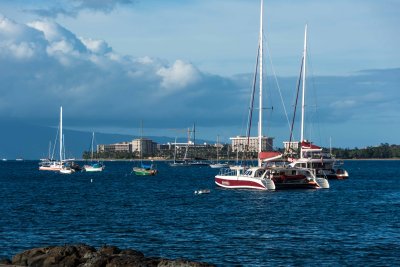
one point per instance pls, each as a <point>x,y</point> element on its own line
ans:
<point>383,151</point>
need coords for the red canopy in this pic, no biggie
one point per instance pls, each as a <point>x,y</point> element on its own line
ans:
<point>308,145</point>
<point>268,155</point>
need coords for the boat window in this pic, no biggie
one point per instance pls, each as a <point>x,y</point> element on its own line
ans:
<point>259,173</point>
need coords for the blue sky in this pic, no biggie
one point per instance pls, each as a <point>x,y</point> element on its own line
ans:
<point>112,64</point>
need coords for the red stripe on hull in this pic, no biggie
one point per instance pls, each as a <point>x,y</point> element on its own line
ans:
<point>245,184</point>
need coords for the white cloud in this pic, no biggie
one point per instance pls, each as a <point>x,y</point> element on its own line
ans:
<point>179,75</point>
<point>22,50</point>
<point>19,41</point>
<point>59,38</point>
<point>96,46</point>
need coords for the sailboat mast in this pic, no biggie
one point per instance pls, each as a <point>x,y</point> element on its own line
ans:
<point>217,148</point>
<point>304,85</point>
<point>64,147</point>
<point>261,82</point>
<point>49,150</point>
<point>141,141</point>
<point>92,146</point>
<point>61,135</point>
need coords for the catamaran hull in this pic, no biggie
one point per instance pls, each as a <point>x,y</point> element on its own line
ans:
<point>218,165</point>
<point>144,172</point>
<point>50,168</point>
<point>91,169</point>
<point>311,185</point>
<point>67,171</point>
<point>241,183</point>
<point>266,184</point>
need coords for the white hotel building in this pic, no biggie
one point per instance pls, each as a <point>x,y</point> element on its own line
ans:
<point>239,143</point>
<point>143,145</point>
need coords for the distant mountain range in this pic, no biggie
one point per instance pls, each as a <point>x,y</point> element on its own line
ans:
<point>22,140</point>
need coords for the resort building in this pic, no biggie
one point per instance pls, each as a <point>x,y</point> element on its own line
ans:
<point>118,147</point>
<point>239,143</point>
<point>146,146</point>
<point>291,147</point>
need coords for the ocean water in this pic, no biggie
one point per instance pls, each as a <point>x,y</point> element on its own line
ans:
<point>354,223</point>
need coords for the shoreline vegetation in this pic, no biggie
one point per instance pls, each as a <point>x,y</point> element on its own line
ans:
<point>382,152</point>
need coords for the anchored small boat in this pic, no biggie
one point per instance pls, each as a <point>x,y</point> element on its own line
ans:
<point>93,166</point>
<point>144,169</point>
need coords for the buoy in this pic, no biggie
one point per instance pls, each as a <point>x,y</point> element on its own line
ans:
<point>91,180</point>
<point>202,191</point>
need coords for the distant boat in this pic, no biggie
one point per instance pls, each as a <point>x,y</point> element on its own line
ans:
<point>93,166</point>
<point>50,164</point>
<point>188,162</point>
<point>218,165</point>
<point>179,163</point>
<point>4,159</point>
<point>66,167</point>
<point>144,169</point>
<point>19,159</point>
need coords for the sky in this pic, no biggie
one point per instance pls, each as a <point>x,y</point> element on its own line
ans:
<point>114,63</point>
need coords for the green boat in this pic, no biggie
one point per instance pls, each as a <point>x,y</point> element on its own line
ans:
<point>145,170</point>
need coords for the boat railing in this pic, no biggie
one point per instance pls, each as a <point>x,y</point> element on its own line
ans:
<point>319,155</point>
<point>228,171</point>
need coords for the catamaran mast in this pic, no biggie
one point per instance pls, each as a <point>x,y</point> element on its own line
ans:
<point>61,136</point>
<point>304,85</point>
<point>261,83</point>
<point>304,92</point>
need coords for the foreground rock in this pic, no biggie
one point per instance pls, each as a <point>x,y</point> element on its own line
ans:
<point>87,256</point>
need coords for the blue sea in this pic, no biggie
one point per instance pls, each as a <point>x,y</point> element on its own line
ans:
<point>354,223</point>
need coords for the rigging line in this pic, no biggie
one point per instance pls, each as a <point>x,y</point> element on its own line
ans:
<point>295,105</point>
<point>55,142</point>
<point>315,97</point>
<point>314,116</point>
<point>251,108</point>
<point>277,83</point>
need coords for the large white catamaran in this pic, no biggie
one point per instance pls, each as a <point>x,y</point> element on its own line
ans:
<point>271,176</point>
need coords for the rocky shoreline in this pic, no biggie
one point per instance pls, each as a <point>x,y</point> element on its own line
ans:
<point>87,256</point>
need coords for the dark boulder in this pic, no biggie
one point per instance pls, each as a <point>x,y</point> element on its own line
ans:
<point>87,256</point>
<point>5,261</point>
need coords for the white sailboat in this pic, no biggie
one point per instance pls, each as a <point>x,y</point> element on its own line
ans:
<point>218,165</point>
<point>271,176</point>
<point>53,165</point>
<point>65,166</point>
<point>180,163</point>
<point>93,166</point>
